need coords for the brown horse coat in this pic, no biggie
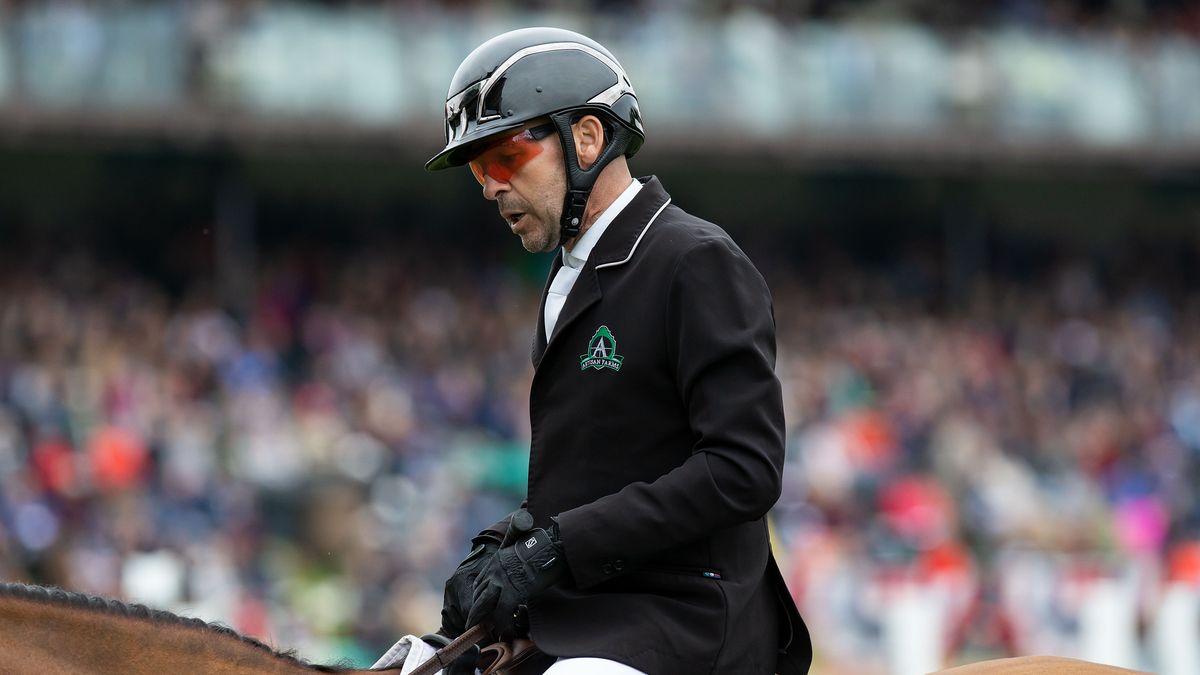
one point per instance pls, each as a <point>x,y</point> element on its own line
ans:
<point>54,632</point>
<point>1036,665</point>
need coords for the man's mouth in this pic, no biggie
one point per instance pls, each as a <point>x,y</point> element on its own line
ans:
<point>514,218</point>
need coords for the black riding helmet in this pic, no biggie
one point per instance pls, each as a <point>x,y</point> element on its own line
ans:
<point>538,72</point>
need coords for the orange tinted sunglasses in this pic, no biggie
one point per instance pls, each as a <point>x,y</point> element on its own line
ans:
<point>505,157</point>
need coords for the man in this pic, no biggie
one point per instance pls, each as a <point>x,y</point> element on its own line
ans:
<point>657,423</point>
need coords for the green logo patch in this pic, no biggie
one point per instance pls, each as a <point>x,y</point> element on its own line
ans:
<point>601,352</point>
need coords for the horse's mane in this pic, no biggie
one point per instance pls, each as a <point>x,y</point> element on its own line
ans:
<point>72,600</point>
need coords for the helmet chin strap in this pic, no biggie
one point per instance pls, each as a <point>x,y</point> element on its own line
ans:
<point>581,181</point>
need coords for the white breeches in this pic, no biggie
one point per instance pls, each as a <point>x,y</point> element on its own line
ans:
<point>590,666</point>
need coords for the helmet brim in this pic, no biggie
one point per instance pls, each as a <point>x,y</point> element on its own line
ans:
<point>464,149</point>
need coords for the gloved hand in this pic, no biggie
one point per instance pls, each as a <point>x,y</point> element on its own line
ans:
<point>514,576</point>
<point>460,586</point>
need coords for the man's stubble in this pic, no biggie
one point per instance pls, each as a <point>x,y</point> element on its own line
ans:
<point>543,235</point>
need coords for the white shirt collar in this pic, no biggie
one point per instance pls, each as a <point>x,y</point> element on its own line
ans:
<point>577,256</point>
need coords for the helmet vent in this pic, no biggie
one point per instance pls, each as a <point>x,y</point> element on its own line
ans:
<point>460,110</point>
<point>491,101</point>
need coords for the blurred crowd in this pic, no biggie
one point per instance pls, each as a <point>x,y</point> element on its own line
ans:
<point>1177,15</point>
<point>1006,457</point>
<point>1182,15</point>
<point>827,73</point>
<point>1174,15</point>
<point>310,471</point>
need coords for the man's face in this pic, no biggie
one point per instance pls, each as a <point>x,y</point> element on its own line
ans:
<point>530,197</point>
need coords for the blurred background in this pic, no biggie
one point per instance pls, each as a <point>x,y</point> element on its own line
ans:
<point>257,366</point>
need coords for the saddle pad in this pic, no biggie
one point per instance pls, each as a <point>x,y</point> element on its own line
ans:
<point>410,652</point>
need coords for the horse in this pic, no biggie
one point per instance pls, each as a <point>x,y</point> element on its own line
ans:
<point>48,631</point>
<point>1036,665</point>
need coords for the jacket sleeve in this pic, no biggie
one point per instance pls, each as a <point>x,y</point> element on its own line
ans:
<point>720,332</point>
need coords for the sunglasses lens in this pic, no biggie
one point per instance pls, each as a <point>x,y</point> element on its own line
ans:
<point>505,158</point>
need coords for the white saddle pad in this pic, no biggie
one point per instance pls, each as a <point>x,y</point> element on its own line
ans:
<point>409,651</point>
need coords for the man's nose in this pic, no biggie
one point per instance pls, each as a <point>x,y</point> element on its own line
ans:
<point>493,187</point>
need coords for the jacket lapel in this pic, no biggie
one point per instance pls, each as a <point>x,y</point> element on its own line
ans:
<point>539,333</point>
<point>615,247</point>
<point>584,294</point>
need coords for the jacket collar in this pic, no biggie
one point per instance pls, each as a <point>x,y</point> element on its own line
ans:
<point>620,240</point>
<point>616,247</point>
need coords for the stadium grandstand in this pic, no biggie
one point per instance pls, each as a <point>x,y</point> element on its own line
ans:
<point>256,366</point>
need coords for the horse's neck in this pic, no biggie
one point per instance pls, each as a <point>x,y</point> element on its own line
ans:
<point>49,639</point>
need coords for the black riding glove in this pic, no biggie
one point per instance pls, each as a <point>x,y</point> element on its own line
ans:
<point>460,587</point>
<point>514,576</point>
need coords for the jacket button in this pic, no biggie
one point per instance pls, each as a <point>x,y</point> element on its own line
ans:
<point>619,565</point>
<point>607,569</point>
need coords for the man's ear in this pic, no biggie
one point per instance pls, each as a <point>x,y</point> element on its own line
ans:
<point>589,140</point>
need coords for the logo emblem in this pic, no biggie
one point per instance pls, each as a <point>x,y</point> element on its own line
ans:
<point>601,352</point>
